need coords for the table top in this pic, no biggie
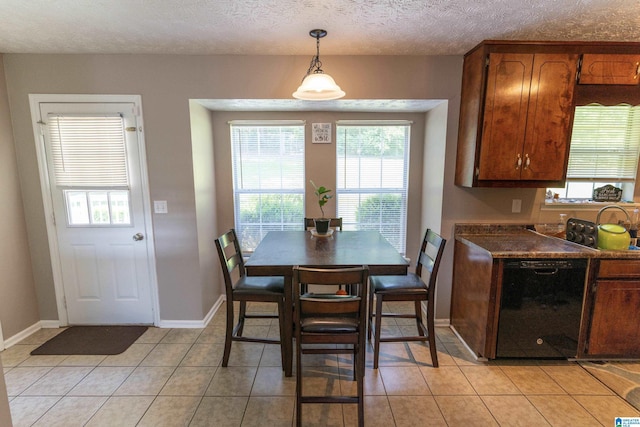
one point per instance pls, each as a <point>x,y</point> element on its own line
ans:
<point>281,250</point>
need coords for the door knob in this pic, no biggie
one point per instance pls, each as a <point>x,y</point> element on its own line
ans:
<point>138,236</point>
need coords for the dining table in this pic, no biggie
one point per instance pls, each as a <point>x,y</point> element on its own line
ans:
<point>280,251</point>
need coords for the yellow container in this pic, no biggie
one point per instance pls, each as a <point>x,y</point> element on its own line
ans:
<point>613,237</point>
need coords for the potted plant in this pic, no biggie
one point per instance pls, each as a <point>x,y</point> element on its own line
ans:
<point>323,195</point>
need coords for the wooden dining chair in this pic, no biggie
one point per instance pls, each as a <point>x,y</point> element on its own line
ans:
<point>335,223</point>
<point>242,288</point>
<point>327,323</point>
<point>410,287</point>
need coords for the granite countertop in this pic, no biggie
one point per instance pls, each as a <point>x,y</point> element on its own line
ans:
<point>517,241</point>
<point>631,254</point>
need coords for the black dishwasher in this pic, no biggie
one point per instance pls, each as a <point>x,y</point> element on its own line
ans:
<point>540,308</point>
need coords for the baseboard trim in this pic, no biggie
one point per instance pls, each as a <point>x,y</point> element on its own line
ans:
<point>471,352</point>
<point>441,322</point>
<point>11,341</point>
<point>48,324</point>
<point>193,324</point>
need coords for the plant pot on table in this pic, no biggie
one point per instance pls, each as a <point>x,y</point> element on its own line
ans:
<point>322,225</point>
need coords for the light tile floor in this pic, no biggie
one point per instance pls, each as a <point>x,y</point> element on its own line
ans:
<point>173,377</point>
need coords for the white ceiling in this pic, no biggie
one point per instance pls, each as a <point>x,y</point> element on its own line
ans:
<point>281,27</point>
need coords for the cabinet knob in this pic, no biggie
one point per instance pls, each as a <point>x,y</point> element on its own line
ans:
<point>527,161</point>
<point>518,162</point>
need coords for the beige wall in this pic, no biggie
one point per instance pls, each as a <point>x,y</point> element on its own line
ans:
<point>204,180</point>
<point>320,164</point>
<point>180,159</point>
<point>166,84</point>
<point>433,198</point>
<point>18,302</point>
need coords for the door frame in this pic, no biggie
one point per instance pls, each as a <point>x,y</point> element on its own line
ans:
<point>54,250</point>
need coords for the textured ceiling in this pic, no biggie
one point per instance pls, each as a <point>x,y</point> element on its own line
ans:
<point>281,27</point>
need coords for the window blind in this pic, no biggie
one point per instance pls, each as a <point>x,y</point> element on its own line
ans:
<point>268,179</point>
<point>372,178</point>
<point>88,151</point>
<point>605,143</point>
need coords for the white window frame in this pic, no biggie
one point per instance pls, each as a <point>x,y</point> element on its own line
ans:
<point>344,210</point>
<point>242,188</point>
<point>580,173</point>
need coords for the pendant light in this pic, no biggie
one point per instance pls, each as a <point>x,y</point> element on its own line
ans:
<point>316,85</point>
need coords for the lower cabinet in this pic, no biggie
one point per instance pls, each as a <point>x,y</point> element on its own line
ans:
<point>614,325</point>
<point>610,324</point>
<point>474,308</point>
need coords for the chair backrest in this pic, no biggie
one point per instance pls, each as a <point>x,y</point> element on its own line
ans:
<point>329,304</point>
<point>334,223</point>
<point>429,258</point>
<point>230,258</point>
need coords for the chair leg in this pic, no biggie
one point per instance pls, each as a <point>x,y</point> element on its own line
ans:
<point>241,316</point>
<point>283,356</point>
<point>298,383</point>
<point>418,309</point>
<point>378,327</point>
<point>370,314</point>
<point>356,362</point>
<point>359,369</point>
<point>432,340</point>
<point>228,335</point>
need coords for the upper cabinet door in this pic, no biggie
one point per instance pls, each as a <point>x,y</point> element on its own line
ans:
<point>609,69</point>
<point>550,117</point>
<point>527,117</point>
<point>505,116</point>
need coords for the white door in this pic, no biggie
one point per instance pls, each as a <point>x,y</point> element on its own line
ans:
<point>93,166</point>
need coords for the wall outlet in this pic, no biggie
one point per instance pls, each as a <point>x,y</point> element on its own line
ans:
<point>516,206</point>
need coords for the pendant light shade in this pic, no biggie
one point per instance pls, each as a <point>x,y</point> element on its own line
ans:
<point>316,85</point>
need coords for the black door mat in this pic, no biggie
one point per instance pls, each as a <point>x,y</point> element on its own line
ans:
<point>91,340</point>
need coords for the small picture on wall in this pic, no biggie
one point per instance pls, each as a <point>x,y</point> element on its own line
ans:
<point>321,133</point>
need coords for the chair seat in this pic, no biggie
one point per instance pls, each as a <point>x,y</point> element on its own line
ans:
<point>329,325</point>
<point>260,285</point>
<point>410,283</point>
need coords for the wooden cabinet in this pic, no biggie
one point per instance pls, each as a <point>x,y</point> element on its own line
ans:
<point>614,326</point>
<point>527,117</point>
<point>515,118</point>
<point>474,300</point>
<point>609,69</point>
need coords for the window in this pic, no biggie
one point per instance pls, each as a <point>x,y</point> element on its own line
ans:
<point>605,145</point>
<point>372,177</point>
<point>89,163</point>
<point>268,178</point>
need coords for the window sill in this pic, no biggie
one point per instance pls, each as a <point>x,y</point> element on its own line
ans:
<point>583,205</point>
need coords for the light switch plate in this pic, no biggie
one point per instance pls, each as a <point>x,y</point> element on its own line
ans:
<point>160,207</point>
<point>516,206</point>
